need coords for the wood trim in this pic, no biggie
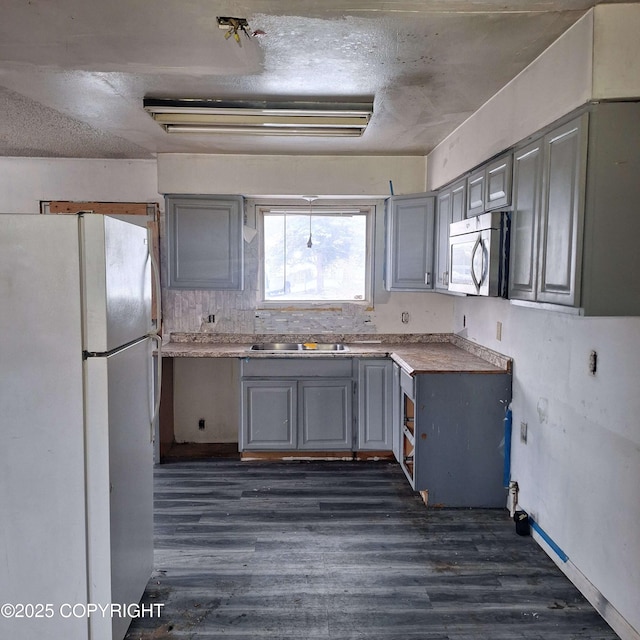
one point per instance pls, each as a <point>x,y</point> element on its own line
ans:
<point>279,456</point>
<point>113,208</point>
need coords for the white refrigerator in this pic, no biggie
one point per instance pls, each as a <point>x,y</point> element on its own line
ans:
<point>76,451</point>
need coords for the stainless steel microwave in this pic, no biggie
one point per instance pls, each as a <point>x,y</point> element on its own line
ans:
<point>478,255</point>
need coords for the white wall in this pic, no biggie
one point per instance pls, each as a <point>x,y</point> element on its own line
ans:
<point>24,182</point>
<point>616,51</point>
<point>291,175</point>
<point>579,471</point>
<point>206,388</point>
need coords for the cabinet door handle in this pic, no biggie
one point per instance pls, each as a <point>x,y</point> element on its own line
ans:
<point>427,277</point>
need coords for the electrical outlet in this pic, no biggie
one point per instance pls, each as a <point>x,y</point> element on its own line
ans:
<point>201,424</point>
<point>211,318</point>
<point>593,363</point>
<point>405,317</point>
<point>499,331</point>
<point>523,432</point>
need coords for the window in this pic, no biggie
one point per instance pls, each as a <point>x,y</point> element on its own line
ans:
<point>319,255</point>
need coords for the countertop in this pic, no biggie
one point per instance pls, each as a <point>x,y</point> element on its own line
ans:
<point>415,353</point>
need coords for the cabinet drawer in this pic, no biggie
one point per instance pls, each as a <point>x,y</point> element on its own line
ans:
<point>311,366</point>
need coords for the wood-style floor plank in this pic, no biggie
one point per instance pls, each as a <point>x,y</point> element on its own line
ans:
<point>343,551</point>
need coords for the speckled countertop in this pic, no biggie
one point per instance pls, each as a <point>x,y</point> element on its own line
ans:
<point>415,353</point>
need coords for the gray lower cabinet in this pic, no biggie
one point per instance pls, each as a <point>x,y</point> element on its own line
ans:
<point>325,416</point>
<point>452,436</point>
<point>375,405</point>
<point>269,416</point>
<point>204,242</point>
<point>396,417</point>
<point>409,243</point>
<point>296,404</point>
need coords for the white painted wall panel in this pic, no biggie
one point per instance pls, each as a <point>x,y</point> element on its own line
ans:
<point>616,70</point>
<point>290,175</point>
<point>24,182</point>
<point>207,388</point>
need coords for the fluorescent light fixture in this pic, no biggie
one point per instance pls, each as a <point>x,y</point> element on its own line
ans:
<point>261,118</point>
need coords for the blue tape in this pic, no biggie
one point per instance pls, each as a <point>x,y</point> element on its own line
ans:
<point>545,536</point>
<point>508,427</point>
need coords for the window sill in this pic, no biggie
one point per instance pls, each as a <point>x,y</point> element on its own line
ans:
<point>301,305</point>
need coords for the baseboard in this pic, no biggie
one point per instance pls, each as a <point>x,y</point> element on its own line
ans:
<point>609,613</point>
<point>345,456</point>
<point>199,450</point>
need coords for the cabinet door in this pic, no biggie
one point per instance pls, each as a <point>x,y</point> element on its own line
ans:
<point>269,414</point>
<point>562,211</point>
<point>325,417</point>
<point>475,193</point>
<point>443,220</point>
<point>205,242</point>
<point>458,201</point>
<point>374,404</point>
<point>527,180</point>
<point>410,227</point>
<point>498,183</point>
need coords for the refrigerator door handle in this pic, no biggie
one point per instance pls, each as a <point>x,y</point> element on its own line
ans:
<point>156,389</point>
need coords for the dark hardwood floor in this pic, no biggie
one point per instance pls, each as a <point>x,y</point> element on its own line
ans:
<point>343,550</point>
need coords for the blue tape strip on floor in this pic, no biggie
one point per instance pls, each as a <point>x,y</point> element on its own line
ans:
<point>545,536</point>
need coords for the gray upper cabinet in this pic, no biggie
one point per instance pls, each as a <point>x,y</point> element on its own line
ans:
<point>375,404</point>
<point>458,200</point>
<point>574,224</point>
<point>547,216</point>
<point>560,245</point>
<point>409,240</point>
<point>443,220</point>
<point>205,247</point>
<point>475,192</point>
<point>450,207</point>
<point>527,183</point>
<point>489,186</point>
<point>498,184</point>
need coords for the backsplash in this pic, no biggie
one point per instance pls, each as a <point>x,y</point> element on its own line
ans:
<point>238,312</point>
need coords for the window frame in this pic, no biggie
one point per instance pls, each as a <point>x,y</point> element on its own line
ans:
<point>368,209</point>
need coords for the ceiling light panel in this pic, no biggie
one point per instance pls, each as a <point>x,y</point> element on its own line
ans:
<point>261,118</point>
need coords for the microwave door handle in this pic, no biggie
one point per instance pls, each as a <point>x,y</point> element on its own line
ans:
<point>477,244</point>
<point>485,262</point>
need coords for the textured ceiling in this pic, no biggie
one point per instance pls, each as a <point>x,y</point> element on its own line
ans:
<point>73,73</point>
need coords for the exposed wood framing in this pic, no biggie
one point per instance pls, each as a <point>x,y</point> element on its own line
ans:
<point>113,208</point>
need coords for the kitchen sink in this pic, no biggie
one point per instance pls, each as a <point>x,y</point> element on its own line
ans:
<point>323,346</point>
<point>307,347</point>
<point>277,346</point>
